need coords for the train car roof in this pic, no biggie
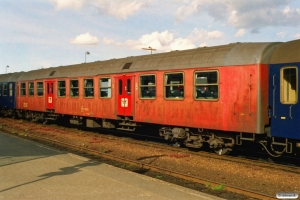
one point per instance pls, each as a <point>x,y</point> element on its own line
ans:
<point>236,54</point>
<point>11,77</point>
<point>288,52</point>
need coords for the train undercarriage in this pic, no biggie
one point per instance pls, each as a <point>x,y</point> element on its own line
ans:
<point>220,142</point>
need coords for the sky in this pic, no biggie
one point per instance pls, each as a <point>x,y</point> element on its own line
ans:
<point>37,34</point>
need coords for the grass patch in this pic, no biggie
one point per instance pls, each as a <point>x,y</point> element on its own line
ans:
<point>159,176</point>
<point>218,187</point>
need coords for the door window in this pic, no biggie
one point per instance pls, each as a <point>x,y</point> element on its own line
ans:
<point>10,89</point>
<point>128,87</point>
<point>120,87</point>
<point>50,88</point>
<point>288,85</point>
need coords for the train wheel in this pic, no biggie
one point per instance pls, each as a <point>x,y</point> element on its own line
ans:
<point>222,150</point>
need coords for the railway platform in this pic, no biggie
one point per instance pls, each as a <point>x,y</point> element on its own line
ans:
<point>29,170</point>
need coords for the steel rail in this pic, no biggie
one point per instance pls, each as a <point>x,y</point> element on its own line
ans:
<point>188,177</point>
<point>229,158</point>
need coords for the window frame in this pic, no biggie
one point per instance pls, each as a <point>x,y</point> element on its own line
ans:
<point>70,86</point>
<point>144,86</point>
<point>110,87</point>
<point>39,88</point>
<point>282,85</point>
<point>59,88</point>
<point>30,89</point>
<point>23,89</point>
<point>206,84</point>
<point>3,90</point>
<point>88,87</point>
<point>176,85</point>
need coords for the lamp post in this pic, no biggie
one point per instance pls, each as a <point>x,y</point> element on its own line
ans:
<point>149,48</point>
<point>86,53</point>
<point>6,68</point>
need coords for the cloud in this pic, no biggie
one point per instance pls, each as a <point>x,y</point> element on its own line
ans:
<point>85,39</point>
<point>120,9</point>
<point>68,4</point>
<point>243,14</point>
<point>240,33</point>
<point>198,35</point>
<point>167,41</point>
<point>281,34</point>
<point>297,36</point>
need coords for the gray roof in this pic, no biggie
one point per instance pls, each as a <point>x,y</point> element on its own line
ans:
<point>232,54</point>
<point>288,52</point>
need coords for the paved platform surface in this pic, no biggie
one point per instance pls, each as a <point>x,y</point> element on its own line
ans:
<point>29,170</point>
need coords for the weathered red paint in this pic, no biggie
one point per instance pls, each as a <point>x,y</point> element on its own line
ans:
<point>124,94</point>
<point>238,108</point>
<point>49,95</point>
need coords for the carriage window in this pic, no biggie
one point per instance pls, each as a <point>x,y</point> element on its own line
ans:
<point>23,89</point>
<point>61,88</point>
<point>0,89</point>
<point>40,89</point>
<point>288,85</point>
<point>147,86</point>
<point>74,88</point>
<point>206,85</point>
<point>30,89</point>
<point>174,86</point>
<point>10,89</point>
<point>4,89</point>
<point>105,87</point>
<point>88,88</point>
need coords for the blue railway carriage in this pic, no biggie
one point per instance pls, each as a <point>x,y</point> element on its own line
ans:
<point>8,93</point>
<point>284,110</point>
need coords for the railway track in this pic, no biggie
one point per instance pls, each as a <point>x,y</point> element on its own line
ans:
<point>234,159</point>
<point>141,165</point>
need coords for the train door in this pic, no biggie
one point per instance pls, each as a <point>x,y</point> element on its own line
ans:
<point>50,100</point>
<point>284,101</point>
<point>11,95</point>
<point>125,95</point>
<point>7,95</point>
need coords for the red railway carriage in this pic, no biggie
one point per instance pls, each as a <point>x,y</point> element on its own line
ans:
<point>222,88</point>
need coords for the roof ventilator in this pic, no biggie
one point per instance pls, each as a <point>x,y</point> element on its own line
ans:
<point>52,73</point>
<point>126,66</point>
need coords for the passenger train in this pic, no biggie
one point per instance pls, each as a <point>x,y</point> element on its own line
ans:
<point>223,96</point>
